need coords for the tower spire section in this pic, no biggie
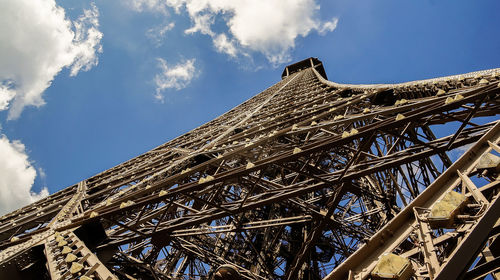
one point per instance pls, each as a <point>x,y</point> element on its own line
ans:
<point>287,185</point>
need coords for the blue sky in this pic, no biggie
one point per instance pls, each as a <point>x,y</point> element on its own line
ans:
<point>93,84</point>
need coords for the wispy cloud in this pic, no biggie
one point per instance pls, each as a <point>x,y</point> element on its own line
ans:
<point>176,76</point>
<point>36,46</point>
<point>157,34</point>
<point>224,45</point>
<point>158,6</point>
<point>328,26</point>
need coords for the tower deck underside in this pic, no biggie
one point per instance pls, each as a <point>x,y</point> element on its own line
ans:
<point>287,185</point>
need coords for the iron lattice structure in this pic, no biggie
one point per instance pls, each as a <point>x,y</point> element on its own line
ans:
<point>287,185</point>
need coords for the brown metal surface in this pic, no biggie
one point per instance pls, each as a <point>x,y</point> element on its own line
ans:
<point>458,247</point>
<point>287,185</point>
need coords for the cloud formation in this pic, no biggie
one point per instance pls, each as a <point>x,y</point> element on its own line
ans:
<point>17,176</point>
<point>224,45</point>
<point>270,27</point>
<point>157,34</point>
<point>158,6</point>
<point>328,26</point>
<point>36,42</point>
<point>177,76</point>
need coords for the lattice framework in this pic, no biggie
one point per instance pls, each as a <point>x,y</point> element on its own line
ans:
<point>287,185</point>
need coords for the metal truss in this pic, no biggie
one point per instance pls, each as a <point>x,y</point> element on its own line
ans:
<point>465,246</point>
<point>307,180</point>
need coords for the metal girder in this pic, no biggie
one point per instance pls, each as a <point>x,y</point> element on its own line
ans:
<point>463,241</point>
<point>69,257</point>
<point>287,185</point>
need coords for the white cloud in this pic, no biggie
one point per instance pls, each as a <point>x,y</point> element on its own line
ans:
<point>223,45</point>
<point>176,4</point>
<point>148,5</point>
<point>17,176</point>
<point>328,26</point>
<point>157,34</point>
<point>6,95</point>
<point>202,24</point>
<point>270,27</point>
<point>177,76</point>
<point>36,42</point>
<point>87,41</point>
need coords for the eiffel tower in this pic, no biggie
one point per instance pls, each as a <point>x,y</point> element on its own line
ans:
<point>309,179</point>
